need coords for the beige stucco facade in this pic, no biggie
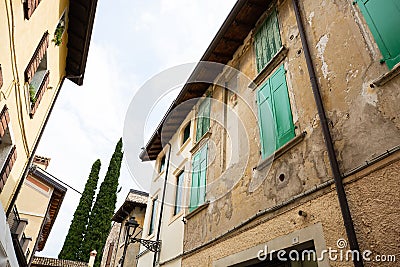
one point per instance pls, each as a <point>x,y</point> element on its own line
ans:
<point>40,48</point>
<point>295,204</point>
<point>134,206</point>
<point>21,38</point>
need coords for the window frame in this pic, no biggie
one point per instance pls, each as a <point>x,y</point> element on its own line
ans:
<point>279,139</point>
<point>185,138</point>
<point>180,178</point>
<point>153,216</point>
<point>161,164</point>
<point>198,183</point>
<point>203,119</point>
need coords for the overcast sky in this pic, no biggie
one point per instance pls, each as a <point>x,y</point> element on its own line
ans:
<point>132,41</point>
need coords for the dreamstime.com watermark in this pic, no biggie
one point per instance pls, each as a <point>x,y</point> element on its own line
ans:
<point>333,254</point>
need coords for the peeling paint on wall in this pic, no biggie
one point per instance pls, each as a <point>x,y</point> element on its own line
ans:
<point>321,46</point>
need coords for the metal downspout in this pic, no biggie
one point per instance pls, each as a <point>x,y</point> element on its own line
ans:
<point>162,204</point>
<point>348,222</point>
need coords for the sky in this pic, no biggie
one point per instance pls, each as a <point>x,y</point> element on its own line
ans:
<point>131,42</point>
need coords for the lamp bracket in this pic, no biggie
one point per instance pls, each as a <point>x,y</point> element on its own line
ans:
<point>153,246</point>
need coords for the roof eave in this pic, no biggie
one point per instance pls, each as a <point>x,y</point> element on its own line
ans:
<point>81,20</point>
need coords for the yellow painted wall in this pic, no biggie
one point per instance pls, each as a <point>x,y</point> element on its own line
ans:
<point>16,50</point>
<point>32,205</point>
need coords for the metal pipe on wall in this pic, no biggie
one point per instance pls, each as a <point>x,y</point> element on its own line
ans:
<point>348,221</point>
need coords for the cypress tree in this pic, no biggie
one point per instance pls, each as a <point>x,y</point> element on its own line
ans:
<point>78,225</point>
<point>103,209</point>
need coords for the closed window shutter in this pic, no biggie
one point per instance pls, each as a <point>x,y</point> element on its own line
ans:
<point>274,113</point>
<point>203,119</point>
<point>267,41</point>
<point>202,177</point>
<point>282,110</point>
<point>199,173</point>
<point>266,120</point>
<point>383,20</point>
<point>194,196</point>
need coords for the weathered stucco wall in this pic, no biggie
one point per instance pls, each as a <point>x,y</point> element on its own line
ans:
<point>364,123</point>
<point>304,166</point>
<point>375,212</point>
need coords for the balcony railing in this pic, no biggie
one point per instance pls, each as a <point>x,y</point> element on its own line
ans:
<point>20,241</point>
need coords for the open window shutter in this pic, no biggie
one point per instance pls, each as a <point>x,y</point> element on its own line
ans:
<point>383,20</point>
<point>203,174</point>
<point>30,6</point>
<point>281,107</point>
<point>194,191</point>
<point>265,120</point>
<point>37,57</point>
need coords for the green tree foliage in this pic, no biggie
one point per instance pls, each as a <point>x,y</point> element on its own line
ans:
<point>78,225</point>
<point>103,209</point>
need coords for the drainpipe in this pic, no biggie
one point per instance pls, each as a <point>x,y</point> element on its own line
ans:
<point>162,204</point>
<point>348,222</point>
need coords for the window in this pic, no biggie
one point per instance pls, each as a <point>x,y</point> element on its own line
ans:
<point>199,169</point>
<point>274,113</point>
<point>161,165</point>
<point>178,192</point>
<point>29,7</point>
<point>267,41</point>
<point>203,118</point>
<point>59,31</point>
<point>383,21</point>
<point>8,152</point>
<point>186,133</point>
<point>153,216</point>
<point>37,75</point>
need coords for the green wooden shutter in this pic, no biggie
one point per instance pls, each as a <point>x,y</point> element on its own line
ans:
<point>203,118</point>
<point>281,106</point>
<point>194,196</point>
<point>203,172</point>
<point>383,19</point>
<point>199,172</point>
<point>267,41</point>
<point>274,113</point>
<point>266,120</point>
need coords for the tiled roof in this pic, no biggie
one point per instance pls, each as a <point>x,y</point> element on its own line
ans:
<point>136,196</point>
<point>50,262</point>
<point>134,199</point>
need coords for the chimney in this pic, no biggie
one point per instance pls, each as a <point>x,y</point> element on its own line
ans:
<point>93,254</point>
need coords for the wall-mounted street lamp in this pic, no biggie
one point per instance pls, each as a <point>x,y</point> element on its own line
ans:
<point>130,228</point>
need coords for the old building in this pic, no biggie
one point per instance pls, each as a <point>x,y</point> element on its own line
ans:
<point>43,43</point>
<point>133,206</point>
<point>294,140</point>
<point>35,211</point>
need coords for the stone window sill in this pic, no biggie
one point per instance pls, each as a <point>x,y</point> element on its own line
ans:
<point>197,210</point>
<point>385,78</point>
<point>271,65</point>
<point>282,150</point>
<point>201,142</point>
